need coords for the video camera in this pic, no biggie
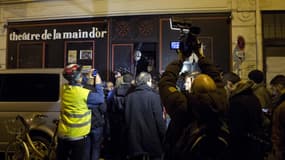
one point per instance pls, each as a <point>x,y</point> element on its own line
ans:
<point>188,42</point>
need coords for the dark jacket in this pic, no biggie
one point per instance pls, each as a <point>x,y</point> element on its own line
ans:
<point>116,111</point>
<point>278,129</point>
<point>98,110</point>
<point>117,98</point>
<point>245,117</point>
<point>144,121</point>
<point>263,94</point>
<point>180,106</point>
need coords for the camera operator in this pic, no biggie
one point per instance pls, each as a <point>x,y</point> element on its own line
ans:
<point>206,103</point>
<point>98,111</point>
<point>75,116</point>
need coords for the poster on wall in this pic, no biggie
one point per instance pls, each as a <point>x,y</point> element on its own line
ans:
<point>207,46</point>
<point>85,54</point>
<point>86,68</point>
<point>80,52</point>
<point>72,56</point>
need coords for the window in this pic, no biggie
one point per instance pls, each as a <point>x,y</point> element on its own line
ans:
<point>29,87</point>
<point>274,25</point>
<point>31,55</point>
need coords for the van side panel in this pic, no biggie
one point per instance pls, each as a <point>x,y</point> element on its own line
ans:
<point>28,92</point>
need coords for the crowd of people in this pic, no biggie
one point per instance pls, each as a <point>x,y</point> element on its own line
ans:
<point>214,116</point>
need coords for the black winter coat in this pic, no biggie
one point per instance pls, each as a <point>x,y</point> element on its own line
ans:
<point>116,117</point>
<point>144,121</point>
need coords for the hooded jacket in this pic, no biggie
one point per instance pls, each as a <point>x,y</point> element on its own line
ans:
<point>245,117</point>
<point>263,94</point>
<point>278,129</point>
<point>180,106</point>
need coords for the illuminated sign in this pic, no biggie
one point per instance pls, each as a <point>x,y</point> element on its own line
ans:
<point>54,35</point>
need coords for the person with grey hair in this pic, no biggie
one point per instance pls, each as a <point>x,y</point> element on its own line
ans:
<point>144,121</point>
<point>143,78</point>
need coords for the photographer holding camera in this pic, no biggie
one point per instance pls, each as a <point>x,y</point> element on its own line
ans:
<point>197,117</point>
<point>98,111</point>
<point>75,115</point>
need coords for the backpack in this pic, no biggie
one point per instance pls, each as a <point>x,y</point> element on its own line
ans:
<point>98,116</point>
<point>117,108</point>
<point>119,103</point>
<point>119,98</point>
<point>202,142</point>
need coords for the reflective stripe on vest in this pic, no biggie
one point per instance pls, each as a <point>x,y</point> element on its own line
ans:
<point>76,125</point>
<point>75,117</point>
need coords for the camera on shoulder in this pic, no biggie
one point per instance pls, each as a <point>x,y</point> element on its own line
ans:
<point>188,42</point>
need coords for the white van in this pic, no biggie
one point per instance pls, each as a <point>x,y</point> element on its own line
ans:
<point>27,92</point>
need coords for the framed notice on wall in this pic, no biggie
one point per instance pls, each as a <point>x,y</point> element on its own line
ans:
<point>72,56</point>
<point>207,45</point>
<point>86,54</point>
<point>80,52</point>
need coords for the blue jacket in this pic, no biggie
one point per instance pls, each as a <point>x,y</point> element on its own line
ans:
<point>96,96</point>
<point>96,102</point>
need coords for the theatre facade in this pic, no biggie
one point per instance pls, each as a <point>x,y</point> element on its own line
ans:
<point>106,35</point>
<point>110,43</point>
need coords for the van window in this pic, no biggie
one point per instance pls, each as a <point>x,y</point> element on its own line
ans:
<point>29,87</point>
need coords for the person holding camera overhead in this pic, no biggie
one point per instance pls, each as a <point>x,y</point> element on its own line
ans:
<point>204,106</point>
<point>94,83</point>
<point>75,116</point>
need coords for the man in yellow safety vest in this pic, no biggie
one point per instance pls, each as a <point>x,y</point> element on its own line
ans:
<point>75,117</point>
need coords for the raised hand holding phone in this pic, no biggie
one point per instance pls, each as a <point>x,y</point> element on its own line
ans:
<point>97,77</point>
<point>94,73</point>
